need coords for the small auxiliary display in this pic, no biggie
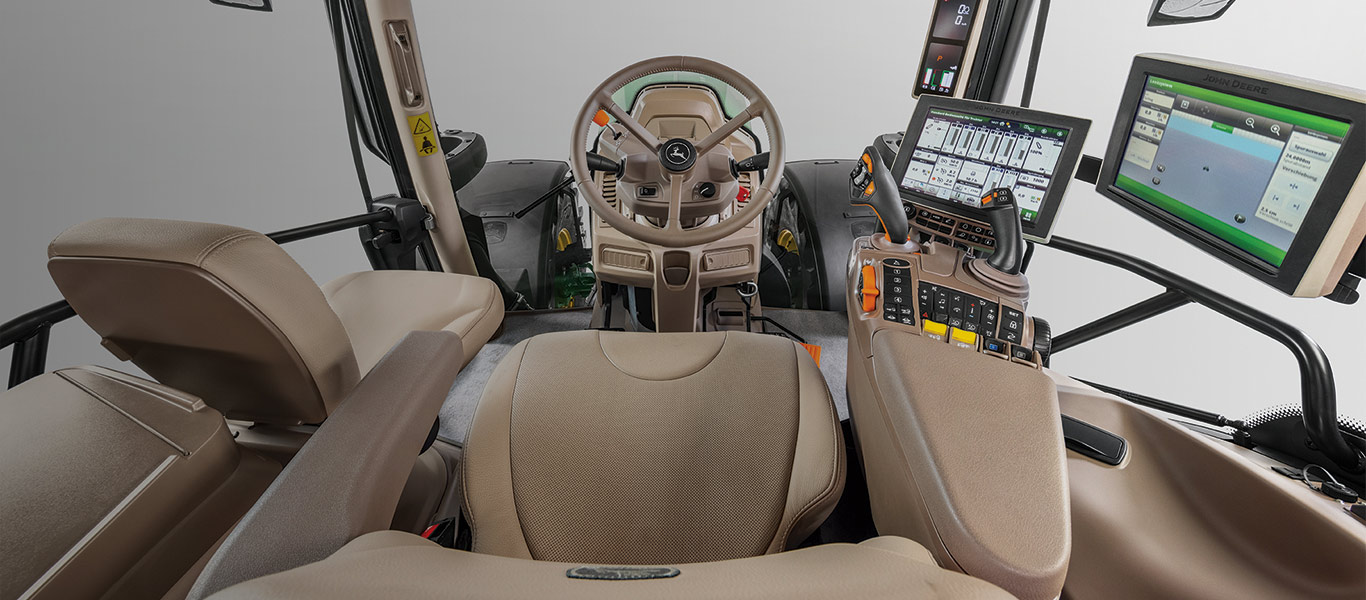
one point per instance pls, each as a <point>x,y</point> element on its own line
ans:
<point>955,151</point>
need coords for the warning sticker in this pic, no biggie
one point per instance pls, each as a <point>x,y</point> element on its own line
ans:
<point>424,137</point>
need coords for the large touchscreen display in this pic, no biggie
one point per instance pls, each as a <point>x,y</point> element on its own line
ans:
<point>1242,170</point>
<point>960,156</point>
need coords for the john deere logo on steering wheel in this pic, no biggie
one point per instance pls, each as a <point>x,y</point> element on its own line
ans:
<point>678,154</point>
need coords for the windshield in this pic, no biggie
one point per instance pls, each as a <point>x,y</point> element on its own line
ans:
<point>732,101</point>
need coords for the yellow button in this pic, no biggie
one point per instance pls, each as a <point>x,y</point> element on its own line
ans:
<point>935,329</point>
<point>965,337</point>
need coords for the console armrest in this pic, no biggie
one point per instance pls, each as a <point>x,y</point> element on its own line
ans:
<point>346,481</point>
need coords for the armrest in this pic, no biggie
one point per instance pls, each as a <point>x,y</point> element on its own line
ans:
<point>346,481</point>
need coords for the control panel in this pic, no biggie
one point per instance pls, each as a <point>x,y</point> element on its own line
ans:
<point>931,293</point>
<point>950,229</point>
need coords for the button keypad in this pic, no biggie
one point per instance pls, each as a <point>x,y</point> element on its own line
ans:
<point>956,309</point>
<point>898,304</point>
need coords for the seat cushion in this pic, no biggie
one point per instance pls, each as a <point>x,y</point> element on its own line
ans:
<point>389,564</point>
<point>378,308</point>
<point>646,448</point>
<point>102,475</point>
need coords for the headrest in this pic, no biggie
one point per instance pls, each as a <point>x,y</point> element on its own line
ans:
<point>217,311</point>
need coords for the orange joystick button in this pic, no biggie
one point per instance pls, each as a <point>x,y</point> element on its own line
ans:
<point>869,291</point>
<point>600,119</point>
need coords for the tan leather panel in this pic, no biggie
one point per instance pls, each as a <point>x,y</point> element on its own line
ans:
<point>1188,516</point>
<point>218,311</point>
<point>99,468</point>
<point>980,440</point>
<point>379,307</point>
<point>688,354</point>
<point>487,468</point>
<point>572,457</point>
<point>815,488</point>
<point>397,565</point>
<point>609,468</point>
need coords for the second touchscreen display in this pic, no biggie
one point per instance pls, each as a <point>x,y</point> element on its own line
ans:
<point>960,156</point>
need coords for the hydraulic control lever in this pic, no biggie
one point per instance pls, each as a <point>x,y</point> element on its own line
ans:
<point>871,185</point>
<point>1001,272</point>
<point>1004,216</point>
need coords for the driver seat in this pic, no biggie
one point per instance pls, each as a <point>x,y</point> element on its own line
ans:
<point>651,448</point>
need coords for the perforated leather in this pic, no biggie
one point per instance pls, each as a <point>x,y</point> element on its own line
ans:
<point>633,448</point>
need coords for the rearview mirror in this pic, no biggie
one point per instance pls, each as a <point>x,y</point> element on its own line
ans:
<point>261,5</point>
<point>1176,12</point>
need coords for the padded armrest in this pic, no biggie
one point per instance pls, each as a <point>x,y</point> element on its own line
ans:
<point>346,481</point>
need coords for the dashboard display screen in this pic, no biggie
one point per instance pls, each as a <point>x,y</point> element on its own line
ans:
<point>942,61</point>
<point>960,156</point>
<point>953,19</point>
<point>1242,170</point>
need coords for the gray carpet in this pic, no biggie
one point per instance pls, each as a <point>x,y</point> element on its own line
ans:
<point>458,409</point>
<point>823,328</point>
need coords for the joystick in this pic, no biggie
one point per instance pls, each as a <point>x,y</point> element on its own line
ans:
<point>1001,271</point>
<point>871,185</point>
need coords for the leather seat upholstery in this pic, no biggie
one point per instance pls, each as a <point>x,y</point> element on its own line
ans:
<point>644,448</point>
<point>413,301</point>
<point>224,313</point>
<point>390,564</point>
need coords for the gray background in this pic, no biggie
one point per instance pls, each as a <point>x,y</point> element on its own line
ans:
<point>185,110</point>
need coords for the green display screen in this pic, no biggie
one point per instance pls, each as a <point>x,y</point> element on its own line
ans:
<point>1244,171</point>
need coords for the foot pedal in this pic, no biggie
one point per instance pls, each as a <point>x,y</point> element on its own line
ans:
<point>814,350</point>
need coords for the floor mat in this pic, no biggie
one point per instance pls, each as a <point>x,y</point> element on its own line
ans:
<point>829,330</point>
<point>823,328</point>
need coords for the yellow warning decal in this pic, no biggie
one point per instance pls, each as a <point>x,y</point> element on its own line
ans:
<point>424,137</point>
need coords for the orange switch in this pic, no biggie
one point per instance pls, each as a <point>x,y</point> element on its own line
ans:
<point>869,290</point>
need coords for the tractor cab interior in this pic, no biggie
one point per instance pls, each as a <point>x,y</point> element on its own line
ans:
<point>604,377</point>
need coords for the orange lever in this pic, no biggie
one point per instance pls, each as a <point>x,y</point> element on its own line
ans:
<point>869,290</point>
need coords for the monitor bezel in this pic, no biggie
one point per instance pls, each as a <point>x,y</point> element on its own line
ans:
<point>1324,210</point>
<point>1041,229</point>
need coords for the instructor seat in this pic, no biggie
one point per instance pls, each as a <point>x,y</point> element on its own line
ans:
<point>225,314</point>
<point>651,448</point>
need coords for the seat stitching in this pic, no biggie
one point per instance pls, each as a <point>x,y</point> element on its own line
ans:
<point>724,339</point>
<point>834,471</point>
<point>222,243</point>
<point>512,484</point>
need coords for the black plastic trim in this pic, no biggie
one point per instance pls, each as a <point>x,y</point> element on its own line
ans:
<point>1093,442</point>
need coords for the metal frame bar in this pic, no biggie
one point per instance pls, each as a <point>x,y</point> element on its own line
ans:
<point>1318,394</point>
<point>1120,319</point>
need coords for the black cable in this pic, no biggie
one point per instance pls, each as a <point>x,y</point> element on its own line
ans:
<point>1034,50</point>
<point>348,98</point>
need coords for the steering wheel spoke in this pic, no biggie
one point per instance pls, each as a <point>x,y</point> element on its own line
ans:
<point>629,122</point>
<point>675,222</point>
<point>755,110</point>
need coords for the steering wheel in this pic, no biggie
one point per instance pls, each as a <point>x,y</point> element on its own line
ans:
<point>677,166</point>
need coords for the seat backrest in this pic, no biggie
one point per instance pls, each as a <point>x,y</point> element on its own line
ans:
<point>217,311</point>
<point>646,448</point>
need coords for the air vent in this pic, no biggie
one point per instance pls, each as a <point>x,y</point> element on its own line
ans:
<point>609,188</point>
